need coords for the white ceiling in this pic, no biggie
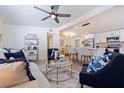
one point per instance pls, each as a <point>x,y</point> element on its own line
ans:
<point>27,15</point>
<point>111,19</point>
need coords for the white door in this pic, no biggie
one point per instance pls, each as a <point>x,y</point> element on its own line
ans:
<point>50,42</point>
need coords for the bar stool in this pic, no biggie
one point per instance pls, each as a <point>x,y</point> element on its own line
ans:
<point>86,56</point>
<point>72,53</point>
<point>81,52</point>
<point>98,52</point>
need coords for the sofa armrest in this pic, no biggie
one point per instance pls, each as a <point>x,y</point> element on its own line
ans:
<point>40,77</point>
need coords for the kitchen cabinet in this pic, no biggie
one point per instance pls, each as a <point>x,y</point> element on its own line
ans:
<point>122,35</point>
<point>100,38</point>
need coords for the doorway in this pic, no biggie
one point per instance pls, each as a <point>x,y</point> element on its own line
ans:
<point>50,40</point>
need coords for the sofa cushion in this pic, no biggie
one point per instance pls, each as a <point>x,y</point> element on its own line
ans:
<point>98,63</point>
<point>31,84</point>
<point>40,82</point>
<point>13,73</point>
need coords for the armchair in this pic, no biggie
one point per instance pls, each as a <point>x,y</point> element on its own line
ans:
<point>53,53</point>
<point>111,76</point>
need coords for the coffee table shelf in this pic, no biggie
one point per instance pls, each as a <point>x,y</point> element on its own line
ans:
<point>59,71</point>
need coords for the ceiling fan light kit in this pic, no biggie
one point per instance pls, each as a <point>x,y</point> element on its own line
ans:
<point>53,14</point>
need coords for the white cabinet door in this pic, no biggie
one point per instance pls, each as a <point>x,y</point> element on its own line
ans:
<point>122,35</point>
<point>113,33</point>
<point>97,38</point>
<point>103,37</point>
<point>100,37</point>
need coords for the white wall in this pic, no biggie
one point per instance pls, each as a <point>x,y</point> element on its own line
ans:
<point>13,36</point>
<point>1,25</point>
<point>71,41</point>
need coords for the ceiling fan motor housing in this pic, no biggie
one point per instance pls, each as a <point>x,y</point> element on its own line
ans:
<point>52,7</point>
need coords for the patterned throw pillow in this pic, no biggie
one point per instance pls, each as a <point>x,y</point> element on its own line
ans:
<point>98,63</point>
<point>2,51</point>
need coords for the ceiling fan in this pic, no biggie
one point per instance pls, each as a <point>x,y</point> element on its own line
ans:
<point>54,13</point>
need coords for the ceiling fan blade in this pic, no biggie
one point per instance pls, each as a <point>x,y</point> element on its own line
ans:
<point>63,15</point>
<point>56,19</point>
<point>45,18</point>
<point>55,8</point>
<point>41,9</point>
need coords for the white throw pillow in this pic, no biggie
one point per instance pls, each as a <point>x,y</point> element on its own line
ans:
<point>12,74</point>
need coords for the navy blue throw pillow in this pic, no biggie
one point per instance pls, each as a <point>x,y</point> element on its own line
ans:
<point>15,55</point>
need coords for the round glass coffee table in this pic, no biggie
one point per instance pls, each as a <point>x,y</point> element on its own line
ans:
<point>59,71</point>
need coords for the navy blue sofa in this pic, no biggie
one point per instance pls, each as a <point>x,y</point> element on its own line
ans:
<point>111,76</point>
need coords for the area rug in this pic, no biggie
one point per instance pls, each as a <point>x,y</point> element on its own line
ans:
<point>72,82</point>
